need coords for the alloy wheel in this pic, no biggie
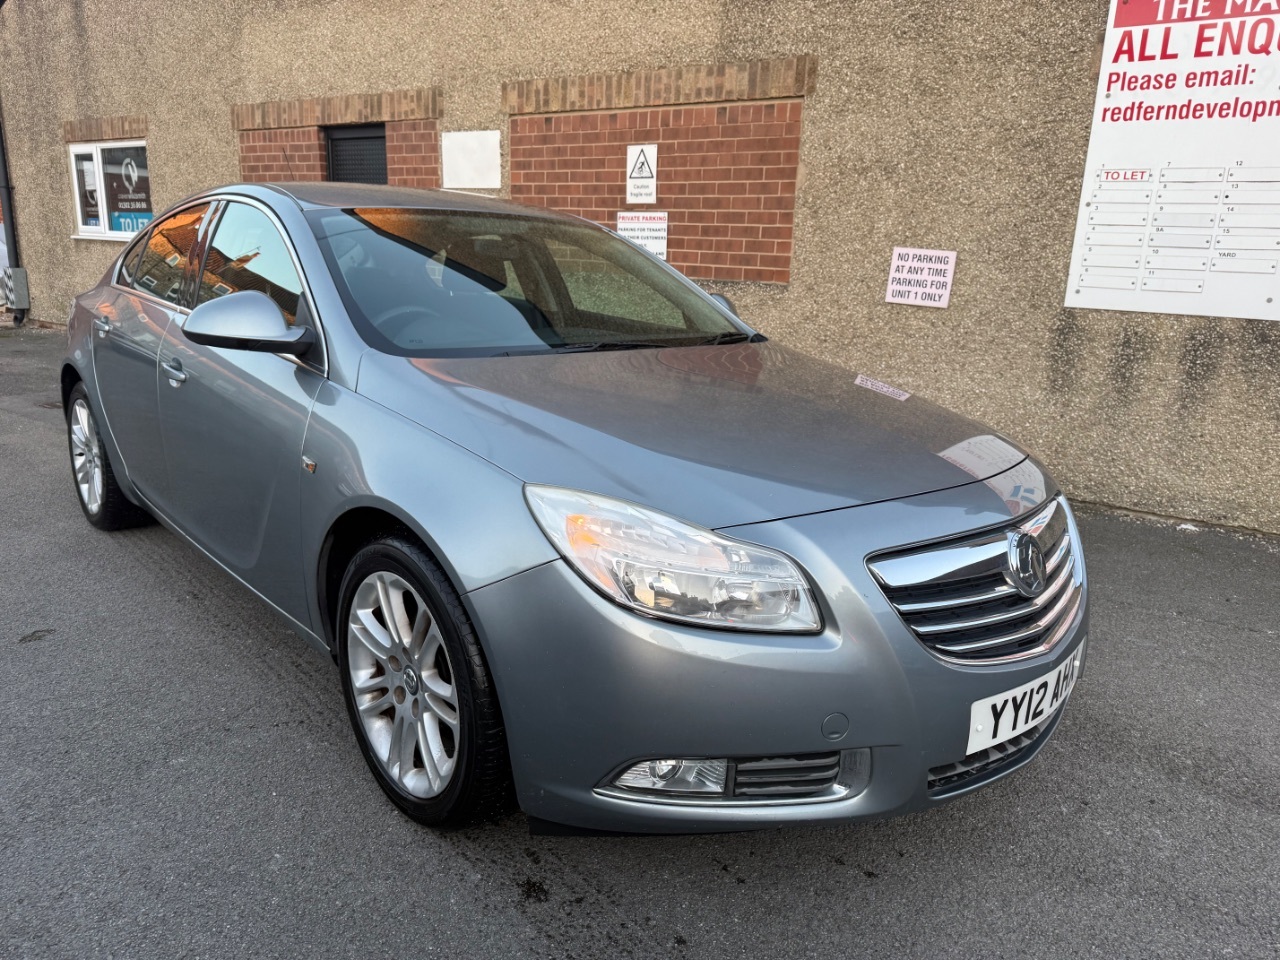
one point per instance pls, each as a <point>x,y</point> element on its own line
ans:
<point>403,683</point>
<point>86,456</point>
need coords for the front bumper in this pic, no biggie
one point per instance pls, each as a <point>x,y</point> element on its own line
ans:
<point>587,687</point>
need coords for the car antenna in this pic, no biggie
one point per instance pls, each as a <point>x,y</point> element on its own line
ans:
<point>284,153</point>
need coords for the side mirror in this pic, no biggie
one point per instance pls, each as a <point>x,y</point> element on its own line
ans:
<point>247,320</point>
<point>725,302</point>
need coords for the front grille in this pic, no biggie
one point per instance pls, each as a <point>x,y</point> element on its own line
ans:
<point>959,597</point>
<point>799,776</point>
<point>952,776</point>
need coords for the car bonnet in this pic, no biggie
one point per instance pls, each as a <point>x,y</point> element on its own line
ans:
<point>718,435</point>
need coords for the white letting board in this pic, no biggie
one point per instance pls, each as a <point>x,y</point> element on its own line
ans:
<point>921,277</point>
<point>642,173</point>
<point>1180,211</point>
<point>647,229</point>
<point>472,160</point>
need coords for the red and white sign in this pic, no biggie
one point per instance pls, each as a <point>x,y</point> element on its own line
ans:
<point>921,277</point>
<point>649,230</point>
<point>1180,211</point>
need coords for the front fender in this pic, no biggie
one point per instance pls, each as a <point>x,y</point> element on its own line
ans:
<point>471,514</point>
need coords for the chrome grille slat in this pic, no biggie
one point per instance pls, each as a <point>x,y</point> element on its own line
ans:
<point>1061,552</point>
<point>1037,628</point>
<point>928,606</point>
<point>960,599</point>
<point>1030,606</point>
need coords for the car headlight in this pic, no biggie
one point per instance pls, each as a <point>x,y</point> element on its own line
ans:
<point>668,568</point>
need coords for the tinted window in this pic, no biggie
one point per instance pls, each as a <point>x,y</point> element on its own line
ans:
<point>169,246</point>
<point>429,283</point>
<point>248,253</point>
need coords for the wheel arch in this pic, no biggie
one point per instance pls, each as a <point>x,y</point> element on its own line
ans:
<point>70,376</point>
<point>350,531</point>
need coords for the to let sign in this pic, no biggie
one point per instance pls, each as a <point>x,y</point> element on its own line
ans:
<point>921,277</point>
<point>1180,199</point>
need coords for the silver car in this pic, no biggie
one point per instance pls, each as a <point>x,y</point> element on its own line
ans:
<point>575,535</point>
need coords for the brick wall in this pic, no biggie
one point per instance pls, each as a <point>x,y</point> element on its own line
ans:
<point>413,154</point>
<point>728,138</point>
<point>726,178</point>
<point>285,140</point>
<point>296,153</point>
<point>92,129</point>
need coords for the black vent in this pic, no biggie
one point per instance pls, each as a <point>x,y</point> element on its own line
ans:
<point>358,154</point>
<point>799,776</point>
<point>952,776</point>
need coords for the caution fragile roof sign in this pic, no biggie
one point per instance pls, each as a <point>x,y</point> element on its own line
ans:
<point>1180,210</point>
<point>642,173</point>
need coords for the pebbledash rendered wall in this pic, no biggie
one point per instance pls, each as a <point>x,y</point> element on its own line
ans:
<point>924,123</point>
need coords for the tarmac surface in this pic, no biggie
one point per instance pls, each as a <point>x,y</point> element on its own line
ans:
<point>177,779</point>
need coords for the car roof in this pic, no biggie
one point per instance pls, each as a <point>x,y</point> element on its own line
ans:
<point>328,194</point>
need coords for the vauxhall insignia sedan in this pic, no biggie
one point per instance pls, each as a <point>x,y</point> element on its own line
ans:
<point>575,535</point>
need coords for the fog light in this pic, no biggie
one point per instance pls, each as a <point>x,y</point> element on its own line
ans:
<point>700,777</point>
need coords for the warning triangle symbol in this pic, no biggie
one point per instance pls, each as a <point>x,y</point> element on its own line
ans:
<point>641,170</point>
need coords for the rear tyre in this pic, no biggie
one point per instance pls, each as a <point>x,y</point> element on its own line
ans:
<point>103,502</point>
<point>417,688</point>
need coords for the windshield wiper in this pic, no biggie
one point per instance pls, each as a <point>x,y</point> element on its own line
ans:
<point>729,336</point>
<point>733,336</point>
<point>593,345</point>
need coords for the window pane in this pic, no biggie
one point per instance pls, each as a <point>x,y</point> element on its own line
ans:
<point>128,186</point>
<point>87,190</point>
<point>248,253</point>
<point>165,258</point>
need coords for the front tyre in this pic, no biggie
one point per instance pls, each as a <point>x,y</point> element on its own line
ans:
<point>103,502</point>
<point>417,688</point>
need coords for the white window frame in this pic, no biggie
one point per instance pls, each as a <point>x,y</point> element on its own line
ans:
<point>104,231</point>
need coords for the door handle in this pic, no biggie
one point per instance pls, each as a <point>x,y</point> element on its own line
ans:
<point>101,325</point>
<point>174,372</point>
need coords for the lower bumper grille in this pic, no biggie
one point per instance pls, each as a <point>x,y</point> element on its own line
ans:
<point>953,776</point>
<point>801,776</point>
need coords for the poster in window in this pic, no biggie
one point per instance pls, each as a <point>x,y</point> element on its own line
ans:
<point>128,186</point>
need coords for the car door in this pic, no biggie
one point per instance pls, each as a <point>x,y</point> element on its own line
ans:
<point>233,420</point>
<point>129,321</point>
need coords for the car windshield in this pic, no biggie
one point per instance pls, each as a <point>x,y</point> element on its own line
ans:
<point>435,283</point>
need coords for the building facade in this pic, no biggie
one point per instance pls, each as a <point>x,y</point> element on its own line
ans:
<point>797,145</point>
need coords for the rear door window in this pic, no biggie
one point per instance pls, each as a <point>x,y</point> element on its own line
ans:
<point>129,262</point>
<point>168,250</point>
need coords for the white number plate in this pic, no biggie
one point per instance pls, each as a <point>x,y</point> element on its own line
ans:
<point>1004,716</point>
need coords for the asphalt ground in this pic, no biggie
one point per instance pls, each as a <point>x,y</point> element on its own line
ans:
<point>177,779</point>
